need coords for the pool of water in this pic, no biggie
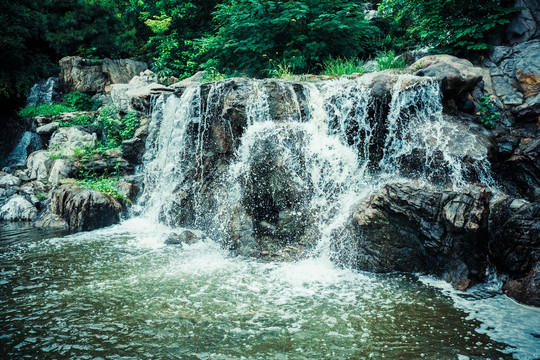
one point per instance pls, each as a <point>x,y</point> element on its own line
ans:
<point>119,293</point>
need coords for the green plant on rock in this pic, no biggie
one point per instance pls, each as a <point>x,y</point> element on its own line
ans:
<point>103,184</point>
<point>389,60</point>
<point>41,196</point>
<point>487,113</point>
<point>78,120</point>
<point>281,70</point>
<point>44,109</point>
<point>79,101</point>
<point>342,66</point>
<point>117,128</point>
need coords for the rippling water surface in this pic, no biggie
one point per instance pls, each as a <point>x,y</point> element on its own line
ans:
<point>119,293</point>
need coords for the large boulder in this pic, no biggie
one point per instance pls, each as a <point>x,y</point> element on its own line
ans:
<point>39,164</point>
<point>67,139</point>
<point>515,247</point>
<point>135,96</point>
<point>121,71</point>
<point>85,209</point>
<point>18,208</point>
<point>525,25</point>
<point>515,73</point>
<point>457,76</point>
<point>517,166</point>
<point>95,76</point>
<point>412,227</point>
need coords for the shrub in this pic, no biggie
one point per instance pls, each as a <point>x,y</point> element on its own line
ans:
<point>487,113</point>
<point>116,127</point>
<point>43,109</point>
<point>78,120</point>
<point>79,101</point>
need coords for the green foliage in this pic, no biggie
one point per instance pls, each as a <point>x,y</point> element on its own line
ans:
<point>116,127</point>
<point>168,30</point>
<point>75,101</point>
<point>41,196</point>
<point>78,120</point>
<point>212,74</point>
<point>388,60</point>
<point>281,70</point>
<point>43,109</point>
<point>55,155</point>
<point>449,26</point>
<point>340,66</point>
<point>79,101</point>
<point>487,113</point>
<point>251,34</point>
<point>103,184</point>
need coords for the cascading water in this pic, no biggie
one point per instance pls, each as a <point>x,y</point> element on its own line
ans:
<point>290,160</point>
<point>43,92</point>
<point>254,163</point>
<point>28,143</point>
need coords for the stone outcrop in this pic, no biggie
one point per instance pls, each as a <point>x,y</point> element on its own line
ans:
<point>514,247</point>
<point>84,210</point>
<point>135,96</point>
<point>67,139</point>
<point>515,73</point>
<point>94,76</point>
<point>415,228</point>
<point>525,25</point>
<point>458,76</point>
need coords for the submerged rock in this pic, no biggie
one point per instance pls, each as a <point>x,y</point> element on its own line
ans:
<point>417,228</point>
<point>185,237</point>
<point>85,210</point>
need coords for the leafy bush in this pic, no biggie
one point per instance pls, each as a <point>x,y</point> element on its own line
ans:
<point>449,26</point>
<point>78,120</point>
<point>79,101</point>
<point>340,66</point>
<point>43,109</point>
<point>388,60</point>
<point>251,34</point>
<point>116,127</point>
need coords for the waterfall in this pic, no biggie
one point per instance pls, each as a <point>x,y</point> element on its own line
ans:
<point>269,161</point>
<point>28,143</point>
<point>43,92</point>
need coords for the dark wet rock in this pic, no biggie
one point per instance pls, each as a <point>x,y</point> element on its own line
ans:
<point>515,247</point>
<point>184,237</point>
<point>47,129</point>
<point>415,228</point>
<point>133,149</point>
<point>84,210</point>
<point>526,290</point>
<point>517,166</point>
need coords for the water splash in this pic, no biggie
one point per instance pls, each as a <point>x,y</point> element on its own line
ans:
<point>288,161</point>
<point>29,142</point>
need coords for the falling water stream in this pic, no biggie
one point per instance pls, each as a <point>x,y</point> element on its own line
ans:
<point>121,293</point>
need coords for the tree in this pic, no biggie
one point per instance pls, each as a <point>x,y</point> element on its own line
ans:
<point>251,35</point>
<point>451,26</point>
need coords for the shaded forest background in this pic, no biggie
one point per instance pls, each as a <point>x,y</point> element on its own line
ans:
<point>241,37</point>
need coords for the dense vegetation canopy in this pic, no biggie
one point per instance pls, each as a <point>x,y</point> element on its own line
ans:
<point>249,37</point>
